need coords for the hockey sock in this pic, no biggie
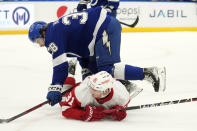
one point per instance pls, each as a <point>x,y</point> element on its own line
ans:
<point>128,72</point>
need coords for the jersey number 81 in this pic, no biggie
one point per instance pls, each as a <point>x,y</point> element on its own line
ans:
<point>84,18</point>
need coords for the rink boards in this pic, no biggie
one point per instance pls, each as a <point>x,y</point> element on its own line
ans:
<point>16,17</point>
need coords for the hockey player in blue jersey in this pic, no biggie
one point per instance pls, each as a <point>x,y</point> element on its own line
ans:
<point>94,37</point>
<point>110,5</point>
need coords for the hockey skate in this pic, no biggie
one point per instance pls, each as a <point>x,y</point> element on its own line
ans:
<point>157,77</point>
<point>72,66</point>
<point>131,88</point>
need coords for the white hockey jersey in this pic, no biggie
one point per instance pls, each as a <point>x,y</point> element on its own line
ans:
<point>80,96</point>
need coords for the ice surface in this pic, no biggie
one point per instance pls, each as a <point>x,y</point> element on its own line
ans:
<point>25,73</point>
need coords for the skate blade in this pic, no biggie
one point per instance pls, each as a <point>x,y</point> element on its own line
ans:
<point>162,79</point>
<point>135,93</point>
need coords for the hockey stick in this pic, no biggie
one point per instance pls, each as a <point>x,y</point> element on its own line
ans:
<point>24,113</point>
<point>29,110</point>
<point>131,25</point>
<point>161,104</point>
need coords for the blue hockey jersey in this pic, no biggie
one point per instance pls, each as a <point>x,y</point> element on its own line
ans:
<point>74,34</point>
<point>113,4</point>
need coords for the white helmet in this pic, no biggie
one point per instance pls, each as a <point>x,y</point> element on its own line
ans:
<point>101,81</point>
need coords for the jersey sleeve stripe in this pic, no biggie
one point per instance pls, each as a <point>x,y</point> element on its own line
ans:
<point>59,60</point>
<point>100,21</point>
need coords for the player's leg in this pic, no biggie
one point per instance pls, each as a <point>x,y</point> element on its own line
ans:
<point>155,75</point>
<point>107,52</point>
<point>84,67</point>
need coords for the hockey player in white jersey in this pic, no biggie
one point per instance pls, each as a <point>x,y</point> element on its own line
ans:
<point>93,98</point>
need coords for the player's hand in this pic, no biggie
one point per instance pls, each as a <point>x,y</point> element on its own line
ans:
<point>94,113</point>
<point>54,94</point>
<point>117,114</point>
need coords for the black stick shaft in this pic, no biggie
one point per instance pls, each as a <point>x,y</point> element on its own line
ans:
<point>161,104</point>
<point>131,25</point>
<point>28,111</point>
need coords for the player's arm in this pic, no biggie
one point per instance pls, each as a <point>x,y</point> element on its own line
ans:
<point>122,102</point>
<point>60,71</point>
<point>71,109</point>
<point>116,112</point>
<point>82,5</point>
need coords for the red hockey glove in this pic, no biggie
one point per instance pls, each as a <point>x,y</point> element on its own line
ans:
<point>117,114</point>
<point>94,113</point>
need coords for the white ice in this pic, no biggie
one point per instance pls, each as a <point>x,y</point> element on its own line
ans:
<point>26,70</point>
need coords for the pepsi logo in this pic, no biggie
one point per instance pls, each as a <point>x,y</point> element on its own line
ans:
<point>61,11</point>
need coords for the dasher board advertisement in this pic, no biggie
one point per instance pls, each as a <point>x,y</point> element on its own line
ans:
<point>16,16</point>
